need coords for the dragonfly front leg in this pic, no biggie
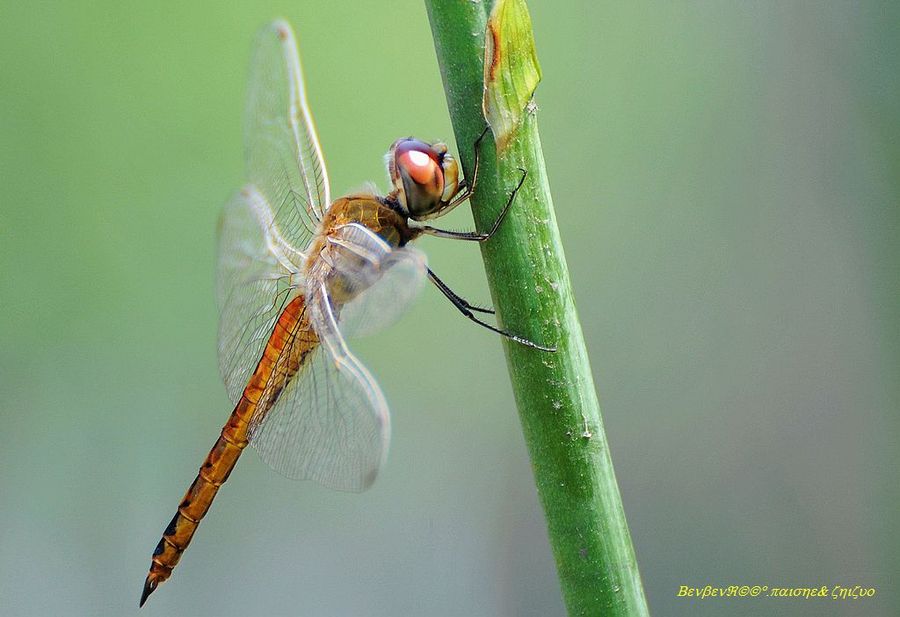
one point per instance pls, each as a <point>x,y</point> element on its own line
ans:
<point>474,236</point>
<point>466,187</point>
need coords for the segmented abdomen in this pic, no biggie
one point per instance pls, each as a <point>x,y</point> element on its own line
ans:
<point>290,343</point>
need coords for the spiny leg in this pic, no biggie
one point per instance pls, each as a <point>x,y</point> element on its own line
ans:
<point>467,189</point>
<point>454,297</point>
<point>466,309</point>
<point>474,236</point>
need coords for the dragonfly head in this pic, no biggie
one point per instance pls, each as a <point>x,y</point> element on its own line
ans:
<point>424,177</point>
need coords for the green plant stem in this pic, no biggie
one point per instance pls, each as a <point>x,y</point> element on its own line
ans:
<point>532,294</point>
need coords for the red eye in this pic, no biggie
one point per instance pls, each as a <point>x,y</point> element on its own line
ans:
<point>422,169</point>
<point>417,175</point>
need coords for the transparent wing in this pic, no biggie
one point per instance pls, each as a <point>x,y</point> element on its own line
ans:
<point>381,282</point>
<point>283,157</point>
<point>254,278</point>
<point>331,422</point>
<point>399,279</point>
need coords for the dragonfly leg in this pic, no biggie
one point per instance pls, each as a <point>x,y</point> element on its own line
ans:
<point>454,297</point>
<point>467,188</point>
<point>474,236</point>
<point>467,309</point>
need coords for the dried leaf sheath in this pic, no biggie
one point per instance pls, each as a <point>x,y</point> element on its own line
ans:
<point>511,69</point>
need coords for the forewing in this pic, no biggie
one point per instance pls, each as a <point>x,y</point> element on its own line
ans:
<point>252,287</point>
<point>283,156</point>
<point>331,422</point>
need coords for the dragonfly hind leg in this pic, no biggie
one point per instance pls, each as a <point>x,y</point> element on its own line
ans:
<point>466,308</point>
<point>457,300</point>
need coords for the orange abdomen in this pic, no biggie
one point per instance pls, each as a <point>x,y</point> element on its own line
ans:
<point>293,336</point>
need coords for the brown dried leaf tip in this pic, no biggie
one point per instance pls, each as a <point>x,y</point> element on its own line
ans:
<point>511,69</point>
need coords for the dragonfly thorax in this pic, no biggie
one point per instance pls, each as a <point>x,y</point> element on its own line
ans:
<point>358,231</point>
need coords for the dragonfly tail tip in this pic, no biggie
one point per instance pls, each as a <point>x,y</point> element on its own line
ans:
<point>149,586</point>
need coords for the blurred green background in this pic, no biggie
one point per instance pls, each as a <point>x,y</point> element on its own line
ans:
<point>726,183</point>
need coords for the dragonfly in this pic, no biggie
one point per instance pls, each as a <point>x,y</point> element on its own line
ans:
<point>297,275</point>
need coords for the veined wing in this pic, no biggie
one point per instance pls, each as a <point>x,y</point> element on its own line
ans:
<point>283,157</point>
<point>255,278</point>
<point>331,423</point>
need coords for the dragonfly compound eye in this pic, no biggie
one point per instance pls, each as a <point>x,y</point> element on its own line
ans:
<point>418,176</point>
<point>451,176</point>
